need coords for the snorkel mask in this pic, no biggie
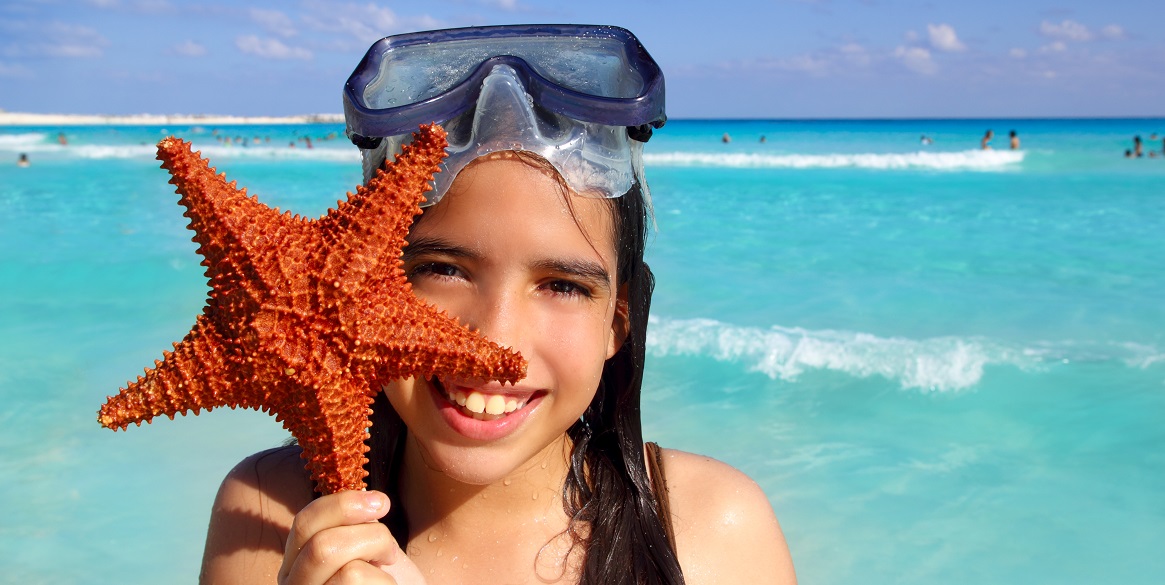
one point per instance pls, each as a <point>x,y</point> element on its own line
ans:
<point>585,98</point>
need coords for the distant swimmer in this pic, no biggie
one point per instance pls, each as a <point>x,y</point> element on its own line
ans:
<point>726,138</point>
<point>61,139</point>
<point>1138,148</point>
<point>23,160</point>
<point>1014,140</point>
<point>762,138</point>
<point>1128,153</point>
<point>985,144</point>
<point>925,140</point>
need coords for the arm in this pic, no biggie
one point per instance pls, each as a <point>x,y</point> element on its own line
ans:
<point>726,530</point>
<point>266,528</point>
<point>252,516</point>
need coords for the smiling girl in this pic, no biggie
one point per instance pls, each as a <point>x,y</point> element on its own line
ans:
<point>533,235</point>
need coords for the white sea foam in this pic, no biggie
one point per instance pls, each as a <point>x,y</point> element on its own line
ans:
<point>974,160</point>
<point>939,364</point>
<point>36,144</point>
<point>19,141</point>
<point>281,152</point>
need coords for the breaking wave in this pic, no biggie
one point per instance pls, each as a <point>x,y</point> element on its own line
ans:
<point>25,140</point>
<point>37,143</point>
<point>973,160</point>
<point>935,364</point>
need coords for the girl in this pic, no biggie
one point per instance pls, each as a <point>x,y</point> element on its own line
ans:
<point>533,235</point>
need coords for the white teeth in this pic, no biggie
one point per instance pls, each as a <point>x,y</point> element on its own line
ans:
<point>495,405</point>
<point>475,403</point>
<point>482,406</point>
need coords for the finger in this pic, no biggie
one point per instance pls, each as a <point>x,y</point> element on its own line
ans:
<point>361,572</point>
<point>346,508</point>
<point>332,549</point>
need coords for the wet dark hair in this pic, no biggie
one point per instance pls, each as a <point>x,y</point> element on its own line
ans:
<point>615,515</point>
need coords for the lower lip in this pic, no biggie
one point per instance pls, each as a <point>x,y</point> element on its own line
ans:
<point>481,430</point>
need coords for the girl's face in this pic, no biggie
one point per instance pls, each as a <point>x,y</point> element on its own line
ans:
<point>505,254</point>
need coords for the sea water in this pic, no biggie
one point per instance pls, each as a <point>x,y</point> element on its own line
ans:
<point>942,364</point>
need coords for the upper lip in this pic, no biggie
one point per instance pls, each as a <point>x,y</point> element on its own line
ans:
<point>520,393</point>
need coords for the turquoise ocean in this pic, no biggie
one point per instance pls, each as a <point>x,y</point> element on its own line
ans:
<point>943,365</point>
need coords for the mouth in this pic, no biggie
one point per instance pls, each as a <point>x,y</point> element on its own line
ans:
<point>483,405</point>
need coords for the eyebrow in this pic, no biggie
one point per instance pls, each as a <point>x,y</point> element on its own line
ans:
<point>588,271</point>
<point>438,246</point>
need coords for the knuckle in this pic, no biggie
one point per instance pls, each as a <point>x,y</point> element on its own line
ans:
<point>322,550</point>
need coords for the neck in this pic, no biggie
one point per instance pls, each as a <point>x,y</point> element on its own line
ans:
<point>528,499</point>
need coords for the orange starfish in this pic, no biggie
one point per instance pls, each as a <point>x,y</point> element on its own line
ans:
<point>307,319</point>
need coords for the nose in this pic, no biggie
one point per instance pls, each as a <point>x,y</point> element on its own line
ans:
<point>496,314</point>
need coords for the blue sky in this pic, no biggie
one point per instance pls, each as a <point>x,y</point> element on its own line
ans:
<point>726,58</point>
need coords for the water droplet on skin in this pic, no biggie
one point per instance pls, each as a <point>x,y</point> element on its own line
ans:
<point>534,496</point>
<point>431,571</point>
<point>507,481</point>
<point>440,552</point>
<point>432,537</point>
<point>543,465</point>
<point>465,565</point>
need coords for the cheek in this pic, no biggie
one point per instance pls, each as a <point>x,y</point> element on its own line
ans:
<point>404,395</point>
<point>575,349</point>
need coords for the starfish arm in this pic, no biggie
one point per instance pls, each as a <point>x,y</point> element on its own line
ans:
<point>366,233</point>
<point>197,375</point>
<point>234,231</point>
<point>332,427</point>
<point>416,339</point>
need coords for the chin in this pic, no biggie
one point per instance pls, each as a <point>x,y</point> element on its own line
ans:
<point>485,465</point>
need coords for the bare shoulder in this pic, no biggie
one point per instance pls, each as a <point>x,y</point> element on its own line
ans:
<point>252,516</point>
<point>726,530</point>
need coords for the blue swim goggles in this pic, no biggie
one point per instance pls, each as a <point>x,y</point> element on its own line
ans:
<point>585,98</point>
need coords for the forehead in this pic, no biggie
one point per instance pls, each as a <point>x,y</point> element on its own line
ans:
<point>519,200</point>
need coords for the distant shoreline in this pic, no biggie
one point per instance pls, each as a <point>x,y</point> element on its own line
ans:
<point>27,119</point>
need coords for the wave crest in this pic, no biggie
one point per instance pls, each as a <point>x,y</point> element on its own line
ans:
<point>980,160</point>
<point>24,140</point>
<point>937,364</point>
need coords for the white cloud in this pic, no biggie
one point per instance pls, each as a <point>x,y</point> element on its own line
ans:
<point>13,70</point>
<point>270,48</point>
<point>153,6</point>
<point>189,49</point>
<point>856,54</point>
<point>274,21</point>
<point>1054,47</point>
<point>916,59</point>
<point>1113,32</point>
<point>911,36</point>
<point>1017,53</point>
<point>363,23</point>
<point>943,37</point>
<point>68,40</point>
<point>1068,30</point>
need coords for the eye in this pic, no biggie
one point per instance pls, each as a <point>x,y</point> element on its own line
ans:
<point>568,289</point>
<point>439,270</point>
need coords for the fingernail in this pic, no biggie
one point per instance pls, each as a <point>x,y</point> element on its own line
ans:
<point>375,501</point>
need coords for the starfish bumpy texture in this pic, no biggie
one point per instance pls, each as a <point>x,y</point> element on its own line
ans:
<point>307,318</point>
